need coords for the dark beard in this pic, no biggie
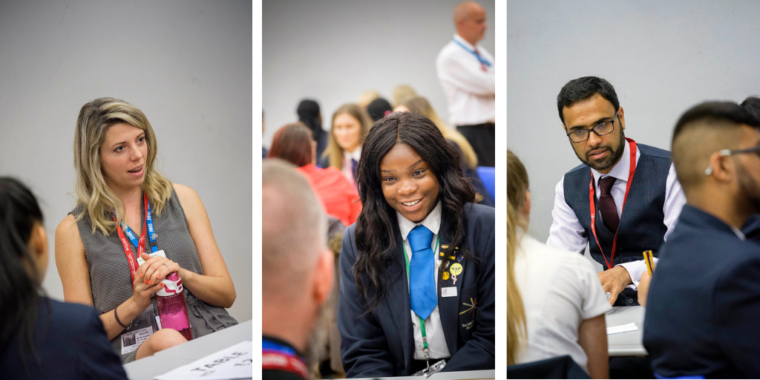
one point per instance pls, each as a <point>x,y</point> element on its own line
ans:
<point>607,162</point>
<point>750,190</point>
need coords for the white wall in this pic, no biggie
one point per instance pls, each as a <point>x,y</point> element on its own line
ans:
<point>661,57</point>
<point>333,50</point>
<point>185,64</point>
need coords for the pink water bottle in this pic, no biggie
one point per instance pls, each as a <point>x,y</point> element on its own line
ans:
<point>172,309</point>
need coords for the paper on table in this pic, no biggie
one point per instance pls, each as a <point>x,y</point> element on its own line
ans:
<point>231,363</point>
<point>621,329</point>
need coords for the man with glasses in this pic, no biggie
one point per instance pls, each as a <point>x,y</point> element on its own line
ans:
<point>704,299</point>
<point>617,174</point>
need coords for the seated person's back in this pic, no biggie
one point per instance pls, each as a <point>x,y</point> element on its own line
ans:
<point>69,342</point>
<point>560,289</point>
<point>704,297</point>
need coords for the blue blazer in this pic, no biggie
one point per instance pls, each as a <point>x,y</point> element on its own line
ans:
<point>381,343</point>
<point>703,303</point>
<point>72,345</point>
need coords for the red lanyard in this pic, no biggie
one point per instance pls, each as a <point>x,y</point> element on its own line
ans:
<point>140,247</point>
<point>631,171</point>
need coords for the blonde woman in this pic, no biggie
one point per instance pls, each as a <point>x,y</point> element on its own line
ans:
<point>469,159</point>
<point>350,125</point>
<point>120,195</point>
<point>555,303</point>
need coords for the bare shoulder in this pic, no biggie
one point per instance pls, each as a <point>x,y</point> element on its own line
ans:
<point>188,198</point>
<point>67,227</point>
<point>67,238</point>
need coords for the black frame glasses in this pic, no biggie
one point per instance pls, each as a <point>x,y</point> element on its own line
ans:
<point>594,129</point>
<point>731,152</point>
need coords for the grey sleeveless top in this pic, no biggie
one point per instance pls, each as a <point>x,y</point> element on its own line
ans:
<point>110,278</point>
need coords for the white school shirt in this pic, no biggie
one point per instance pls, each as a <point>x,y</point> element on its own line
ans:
<point>469,90</point>
<point>567,233</point>
<point>559,290</point>
<point>347,168</point>
<point>433,327</point>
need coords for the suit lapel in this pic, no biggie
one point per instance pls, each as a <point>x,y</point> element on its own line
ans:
<point>448,306</point>
<point>398,299</point>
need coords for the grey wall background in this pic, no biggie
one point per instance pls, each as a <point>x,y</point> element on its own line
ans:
<point>333,50</point>
<point>185,64</point>
<point>662,58</point>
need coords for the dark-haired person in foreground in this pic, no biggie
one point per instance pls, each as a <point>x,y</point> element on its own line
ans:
<point>638,177</point>
<point>42,338</point>
<point>420,251</point>
<point>704,299</point>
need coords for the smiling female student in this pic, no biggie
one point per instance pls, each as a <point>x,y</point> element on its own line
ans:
<point>417,268</point>
<point>120,195</point>
<point>350,124</point>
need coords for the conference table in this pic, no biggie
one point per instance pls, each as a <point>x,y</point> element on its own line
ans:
<point>627,343</point>
<point>186,353</point>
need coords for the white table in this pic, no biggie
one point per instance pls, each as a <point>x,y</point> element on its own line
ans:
<point>186,353</point>
<point>628,343</point>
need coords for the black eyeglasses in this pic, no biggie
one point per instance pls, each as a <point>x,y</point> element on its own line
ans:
<point>602,129</point>
<point>731,152</point>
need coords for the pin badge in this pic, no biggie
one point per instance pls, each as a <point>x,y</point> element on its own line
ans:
<point>456,269</point>
<point>445,276</point>
<point>454,277</point>
<point>444,246</point>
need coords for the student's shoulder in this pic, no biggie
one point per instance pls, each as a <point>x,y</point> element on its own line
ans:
<point>480,213</point>
<point>73,319</point>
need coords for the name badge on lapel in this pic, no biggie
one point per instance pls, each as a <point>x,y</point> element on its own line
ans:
<point>449,291</point>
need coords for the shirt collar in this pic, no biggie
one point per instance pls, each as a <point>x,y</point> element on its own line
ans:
<point>356,154</point>
<point>620,170</point>
<point>431,222</point>
<point>463,42</point>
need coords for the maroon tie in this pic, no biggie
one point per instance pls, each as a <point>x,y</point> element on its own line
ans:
<point>607,204</point>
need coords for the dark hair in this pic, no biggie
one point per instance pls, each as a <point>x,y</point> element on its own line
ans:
<point>309,115</point>
<point>375,226</point>
<point>292,143</point>
<point>582,89</point>
<point>712,112</point>
<point>752,105</point>
<point>19,289</point>
<point>378,109</point>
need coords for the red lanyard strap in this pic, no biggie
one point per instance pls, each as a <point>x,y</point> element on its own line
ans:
<point>140,246</point>
<point>591,199</point>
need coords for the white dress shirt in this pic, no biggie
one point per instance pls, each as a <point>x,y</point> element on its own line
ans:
<point>559,291</point>
<point>433,327</point>
<point>567,233</point>
<point>347,168</point>
<point>470,91</point>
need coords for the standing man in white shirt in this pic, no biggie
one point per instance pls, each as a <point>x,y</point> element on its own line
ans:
<point>466,72</point>
<point>617,174</point>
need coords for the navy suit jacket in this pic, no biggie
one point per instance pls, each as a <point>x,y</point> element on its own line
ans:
<point>704,300</point>
<point>380,343</point>
<point>72,344</point>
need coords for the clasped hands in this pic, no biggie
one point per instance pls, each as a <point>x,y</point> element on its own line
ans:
<point>149,276</point>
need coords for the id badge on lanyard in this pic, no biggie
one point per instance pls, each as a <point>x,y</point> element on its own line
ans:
<point>146,323</point>
<point>591,199</point>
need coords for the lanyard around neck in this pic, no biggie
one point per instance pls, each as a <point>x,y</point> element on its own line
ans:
<point>473,52</point>
<point>591,199</point>
<point>422,323</point>
<point>139,244</point>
